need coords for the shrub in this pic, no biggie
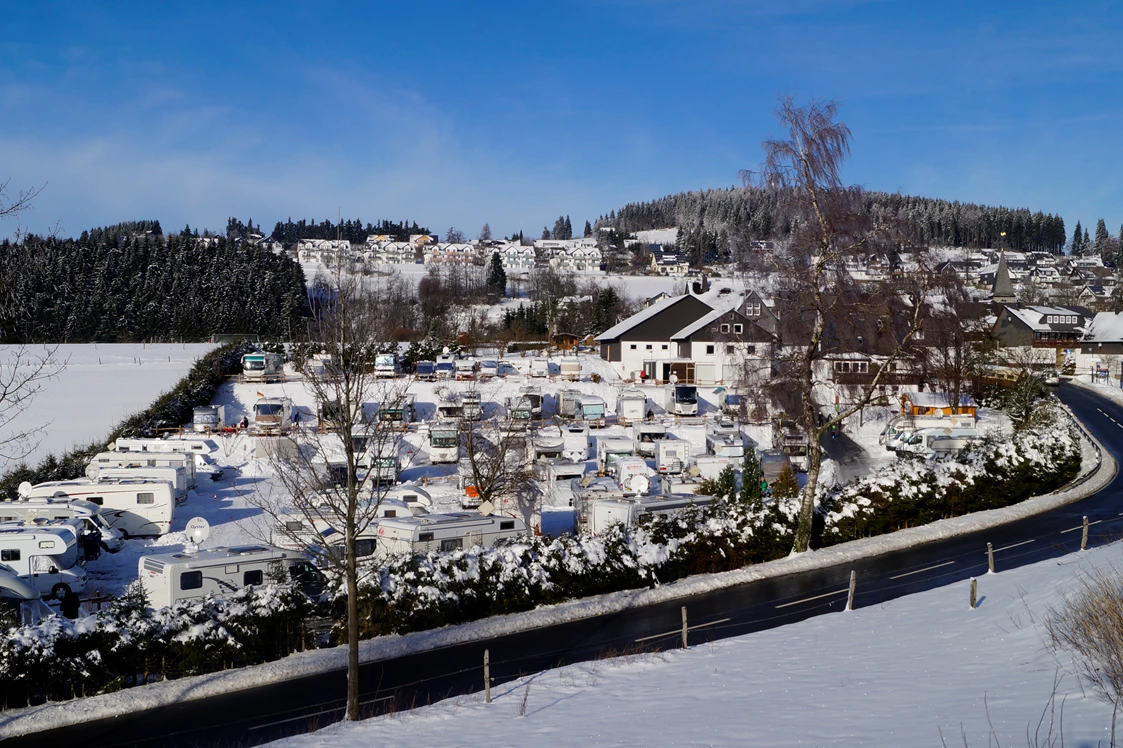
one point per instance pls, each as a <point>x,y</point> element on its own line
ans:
<point>1088,625</point>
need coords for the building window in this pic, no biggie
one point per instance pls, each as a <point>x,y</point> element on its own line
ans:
<point>752,310</point>
<point>633,346</point>
<point>738,328</point>
<point>729,350</point>
<point>709,350</point>
<point>750,349</point>
<point>648,346</point>
<point>664,346</point>
<point>724,327</point>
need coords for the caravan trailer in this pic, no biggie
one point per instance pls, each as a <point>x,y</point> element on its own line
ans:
<point>48,507</point>
<point>190,446</point>
<point>682,400</point>
<point>575,442</point>
<point>49,557</point>
<point>263,367</point>
<point>631,406</point>
<point>671,455</point>
<point>539,367</point>
<point>604,513</point>
<point>173,475</point>
<point>178,460</point>
<point>570,369</point>
<point>445,532</point>
<point>273,415</point>
<point>169,577</point>
<point>465,369</point>
<point>444,443</point>
<point>134,507</point>
<point>208,418</point>
<point>567,403</point>
<point>646,434</point>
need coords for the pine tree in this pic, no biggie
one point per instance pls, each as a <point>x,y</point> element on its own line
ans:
<point>545,233</point>
<point>568,229</point>
<point>1102,246</point>
<point>559,228</point>
<point>588,229</point>
<point>1086,245</point>
<point>496,276</point>
<point>786,486</point>
<point>752,493</point>
<point>485,233</point>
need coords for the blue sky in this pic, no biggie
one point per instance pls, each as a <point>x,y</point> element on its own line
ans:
<point>457,113</point>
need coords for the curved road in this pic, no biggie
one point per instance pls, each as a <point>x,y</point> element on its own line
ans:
<point>266,713</point>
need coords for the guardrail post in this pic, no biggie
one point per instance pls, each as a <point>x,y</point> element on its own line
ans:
<point>487,674</point>
<point>1084,535</point>
<point>974,591</point>
<point>990,559</point>
<point>853,586</point>
<point>684,629</point>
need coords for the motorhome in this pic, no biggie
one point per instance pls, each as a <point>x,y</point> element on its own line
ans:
<point>321,367</point>
<point>533,395</point>
<point>682,400</point>
<point>628,512</point>
<point>49,507</point>
<point>206,419</point>
<point>473,409</point>
<point>710,466</point>
<point>724,439</point>
<point>793,439</point>
<point>173,475</point>
<point>590,488</point>
<point>465,370</point>
<point>519,410</point>
<point>193,446</point>
<point>386,366</point>
<point>633,475</point>
<point>446,367</point>
<point>425,371</point>
<point>570,369</point>
<point>400,410</point>
<point>914,423</point>
<point>450,408</point>
<point>48,556</point>
<point>444,443</point>
<point>21,599</point>
<point>169,577</point>
<point>591,410</point>
<point>445,532</point>
<point>631,406</point>
<point>134,506</point>
<point>557,474</point>
<point>645,434</point>
<point>178,460</point>
<point>575,442</point>
<point>928,443</point>
<point>671,455</point>
<point>273,415</point>
<point>488,369</point>
<point>263,367</point>
<point>383,460</point>
<point>539,367</point>
<point>546,443</point>
<point>610,449</point>
<point>729,403</point>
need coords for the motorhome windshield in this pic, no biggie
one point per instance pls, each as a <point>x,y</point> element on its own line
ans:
<point>254,364</point>
<point>391,414</point>
<point>268,409</point>
<point>686,394</point>
<point>425,367</point>
<point>651,436</point>
<point>387,462</point>
<point>595,410</point>
<point>206,418</point>
<point>443,438</point>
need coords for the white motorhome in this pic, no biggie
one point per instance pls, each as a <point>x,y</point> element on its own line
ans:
<point>575,442</point>
<point>591,410</point>
<point>208,418</point>
<point>631,405</point>
<point>671,455</point>
<point>570,369</point>
<point>49,556</point>
<point>610,449</point>
<point>633,475</point>
<point>444,532</point>
<point>134,507</point>
<point>567,403</point>
<point>473,406</point>
<point>444,443</point>
<point>590,488</point>
<point>172,475</point>
<point>682,400</point>
<point>465,369</point>
<point>556,475</point>
<point>645,434</point>
<point>539,367</point>
<point>402,410</point>
<point>929,443</point>
<point>273,415</point>
<point>450,408</point>
<point>386,366</point>
<point>710,466</point>
<point>263,367</point>
<point>383,459</point>
<point>169,577</point>
<point>182,461</point>
<point>21,598</point>
<point>604,513</point>
<point>546,443</point>
<point>900,424</point>
<point>533,395</point>
<point>724,439</point>
<point>520,411</point>
<point>49,507</point>
<point>190,446</point>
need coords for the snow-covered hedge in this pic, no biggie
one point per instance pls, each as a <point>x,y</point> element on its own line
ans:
<point>127,644</point>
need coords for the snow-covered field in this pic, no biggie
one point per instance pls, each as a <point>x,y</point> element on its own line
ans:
<point>99,385</point>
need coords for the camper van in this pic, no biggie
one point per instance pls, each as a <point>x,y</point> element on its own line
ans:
<point>444,443</point>
<point>570,369</point>
<point>193,446</point>
<point>556,474</point>
<point>575,442</point>
<point>450,408</point>
<point>610,449</point>
<point>631,406</point>
<point>425,371</point>
<point>465,370</point>
<point>473,406</point>
<point>401,410</point>
<point>567,403</point>
<point>48,556</point>
<point>533,395</point>
<point>169,577</point>
<point>182,461</point>
<point>444,532</point>
<point>645,434</point>
<point>520,410</point>
<point>539,367</point>
<point>928,443</point>
<point>383,461</point>
<point>134,507</point>
<point>546,443</point>
<point>273,415</point>
<point>386,366</point>
<point>724,439</point>
<point>682,400</point>
<point>446,367</point>
<point>896,425</point>
<point>671,455</point>
<point>604,513</point>
<point>263,367</point>
<point>206,419</point>
<point>591,410</point>
<point>48,507</point>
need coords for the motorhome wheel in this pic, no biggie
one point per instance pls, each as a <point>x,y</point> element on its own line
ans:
<point>59,591</point>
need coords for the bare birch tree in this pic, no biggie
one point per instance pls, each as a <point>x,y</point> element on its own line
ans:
<point>824,310</point>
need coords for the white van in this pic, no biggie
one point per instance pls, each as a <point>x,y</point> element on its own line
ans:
<point>169,577</point>
<point>633,475</point>
<point>604,513</point>
<point>900,424</point>
<point>48,556</point>
<point>929,443</point>
<point>386,366</point>
<point>472,404</point>
<point>48,507</point>
<point>273,415</point>
<point>444,532</point>
<point>134,507</point>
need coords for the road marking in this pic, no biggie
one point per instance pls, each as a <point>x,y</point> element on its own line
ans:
<point>927,568</point>
<point>1081,527</point>
<point>688,628</point>
<point>817,597</point>
<point>317,714</point>
<point>1015,545</point>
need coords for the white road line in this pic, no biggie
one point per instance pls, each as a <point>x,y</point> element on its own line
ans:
<point>1081,527</point>
<point>688,628</point>
<point>927,568</point>
<point>1015,545</point>
<point>817,597</point>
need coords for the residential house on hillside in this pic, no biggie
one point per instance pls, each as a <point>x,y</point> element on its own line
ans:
<point>723,346</point>
<point>669,263</point>
<point>1101,347</point>
<point>1027,333</point>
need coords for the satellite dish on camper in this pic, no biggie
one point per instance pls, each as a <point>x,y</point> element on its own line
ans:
<point>486,508</point>
<point>640,484</point>
<point>674,378</point>
<point>24,490</point>
<point>198,530</point>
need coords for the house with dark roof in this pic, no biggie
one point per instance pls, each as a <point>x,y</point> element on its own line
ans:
<point>1060,327</point>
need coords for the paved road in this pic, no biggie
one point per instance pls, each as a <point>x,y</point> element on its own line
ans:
<point>258,715</point>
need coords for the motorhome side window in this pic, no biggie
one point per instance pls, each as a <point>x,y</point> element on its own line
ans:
<point>507,524</point>
<point>451,544</point>
<point>257,576</point>
<point>9,554</point>
<point>146,498</point>
<point>364,547</point>
<point>191,580</point>
<point>96,500</point>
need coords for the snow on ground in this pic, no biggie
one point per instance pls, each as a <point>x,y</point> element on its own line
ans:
<point>100,385</point>
<point>898,674</point>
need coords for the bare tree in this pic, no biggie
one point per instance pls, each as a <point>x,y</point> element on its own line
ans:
<point>824,310</point>
<point>335,477</point>
<point>495,464</point>
<point>958,344</point>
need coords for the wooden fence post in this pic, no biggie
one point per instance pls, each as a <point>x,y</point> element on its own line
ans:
<point>684,645</point>
<point>487,675</point>
<point>1084,535</point>
<point>853,586</point>
<point>990,559</point>
<point>974,591</point>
